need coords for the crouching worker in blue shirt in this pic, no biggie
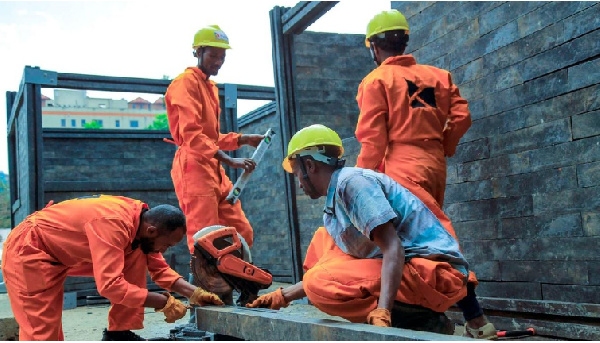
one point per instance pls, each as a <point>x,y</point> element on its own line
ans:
<point>383,257</point>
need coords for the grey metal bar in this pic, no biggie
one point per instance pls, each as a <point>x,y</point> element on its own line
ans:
<point>229,106</point>
<point>108,186</point>
<point>29,103</point>
<point>39,145</point>
<point>12,175</point>
<point>301,16</point>
<point>104,133</point>
<point>284,92</point>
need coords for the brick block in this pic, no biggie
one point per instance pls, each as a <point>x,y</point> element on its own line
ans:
<point>548,15</point>
<point>545,271</point>
<point>594,276</point>
<point>572,293</point>
<point>507,11</point>
<point>562,56</point>
<point>410,8</point>
<point>578,152</point>
<point>586,125</point>
<point>476,230</point>
<point>535,137</point>
<point>568,200</point>
<point>551,225</point>
<point>585,74</point>
<point>471,151</point>
<point>485,270</point>
<point>499,166</point>
<point>531,92</point>
<point>468,72</point>
<point>583,21</point>
<point>468,191</point>
<point>588,175</point>
<point>515,290</point>
<point>591,223</point>
<point>490,208</point>
<point>543,181</point>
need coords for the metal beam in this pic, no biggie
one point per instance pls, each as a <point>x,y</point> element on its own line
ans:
<point>12,175</point>
<point>301,16</point>
<point>271,325</point>
<point>286,108</point>
<point>229,118</point>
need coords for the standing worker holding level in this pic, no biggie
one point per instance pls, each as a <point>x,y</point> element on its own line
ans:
<point>411,117</point>
<point>193,111</point>
<point>116,240</point>
<point>383,256</point>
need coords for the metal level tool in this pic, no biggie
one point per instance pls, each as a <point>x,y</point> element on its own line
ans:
<point>241,182</point>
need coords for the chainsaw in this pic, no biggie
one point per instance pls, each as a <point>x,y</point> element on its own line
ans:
<point>227,258</point>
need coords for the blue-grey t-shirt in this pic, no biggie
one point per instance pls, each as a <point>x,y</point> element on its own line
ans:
<point>359,200</point>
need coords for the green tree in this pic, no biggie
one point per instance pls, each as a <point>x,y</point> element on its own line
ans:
<point>93,125</point>
<point>4,202</point>
<point>160,123</point>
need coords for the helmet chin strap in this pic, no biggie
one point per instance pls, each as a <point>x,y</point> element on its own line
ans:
<point>372,51</point>
<point>309,183</point>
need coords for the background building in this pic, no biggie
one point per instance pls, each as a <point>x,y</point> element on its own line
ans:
<point>74,109</point>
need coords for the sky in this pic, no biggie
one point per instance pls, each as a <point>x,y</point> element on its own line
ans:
<point>147,39</point>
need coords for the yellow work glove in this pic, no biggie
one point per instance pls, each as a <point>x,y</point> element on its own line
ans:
<point>380,317</point>
<point>201,297</point>
<point>273,300</point>
<point>173,310</point>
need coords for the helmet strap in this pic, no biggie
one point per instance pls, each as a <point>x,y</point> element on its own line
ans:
<point>309,183</point>
<point>372,51</point>
<point>318,154</point>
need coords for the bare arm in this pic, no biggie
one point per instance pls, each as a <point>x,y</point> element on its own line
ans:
<point>386,238</point>
<point>183,287</point>
<point>155,300</point>
<point>247,164</point>
<point>293,292</point>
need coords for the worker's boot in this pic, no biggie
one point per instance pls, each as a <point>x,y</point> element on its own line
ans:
<point>419,318</point>
<point>126,335</point>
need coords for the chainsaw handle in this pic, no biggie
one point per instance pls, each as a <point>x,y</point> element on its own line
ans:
<point>207,242</point>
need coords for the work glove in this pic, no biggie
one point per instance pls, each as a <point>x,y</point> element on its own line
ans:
<point>202,297</point>
<point>273,300</point>
<point>380,317</point>
<point>173,310</point>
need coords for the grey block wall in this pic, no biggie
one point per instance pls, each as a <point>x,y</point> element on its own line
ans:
<point>524,186</point>
<point>263,200</point>
<point>328,69</point>
<point>132,164</point>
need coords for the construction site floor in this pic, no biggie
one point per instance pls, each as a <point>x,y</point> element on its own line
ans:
<point>86,323</point>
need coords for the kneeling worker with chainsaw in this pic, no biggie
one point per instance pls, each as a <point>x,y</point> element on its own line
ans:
<point>116,240</point>
<point>383,257</point>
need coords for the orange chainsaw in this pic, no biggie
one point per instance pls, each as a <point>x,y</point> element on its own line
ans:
<point>227,250</point>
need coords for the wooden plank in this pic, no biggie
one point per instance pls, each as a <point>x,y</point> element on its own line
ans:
<point>271,325</point>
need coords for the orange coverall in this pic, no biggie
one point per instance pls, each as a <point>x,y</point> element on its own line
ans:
<point>200,181</point>
<point>341,285</point>
<point>79,237</point>
<point>411,116</point>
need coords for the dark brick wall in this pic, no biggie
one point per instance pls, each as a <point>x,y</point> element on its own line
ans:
<point>523,189</point>
<point>263,200</point>
<point>136,165</point>
<point>328,70</point>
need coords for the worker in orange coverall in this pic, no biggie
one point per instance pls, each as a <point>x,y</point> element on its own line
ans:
<point>116,240</point>
<point>411,115</point>
<point>383,257</point>
<point>193,112</point>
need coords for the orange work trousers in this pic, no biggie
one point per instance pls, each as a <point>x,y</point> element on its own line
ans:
<point>202,197</point>
<point>35,284</point>
<point>424,164</point>
<point>341,285</point>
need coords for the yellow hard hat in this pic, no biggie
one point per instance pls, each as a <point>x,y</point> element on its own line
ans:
<point>385,21</point>
<point>211,35</point>
<point>307,138</point>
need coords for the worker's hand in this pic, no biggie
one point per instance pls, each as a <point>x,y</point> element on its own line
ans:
<point>173,310</point>
<point>252,140</point>
<point>202,297</point>
<point>273,300</point>
<point>380,317</point>
<point>247,164</point>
